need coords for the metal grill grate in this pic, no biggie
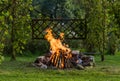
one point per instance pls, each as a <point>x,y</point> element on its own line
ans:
<point>72,28</point>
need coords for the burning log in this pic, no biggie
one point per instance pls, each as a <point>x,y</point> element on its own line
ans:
<point>61,60</point>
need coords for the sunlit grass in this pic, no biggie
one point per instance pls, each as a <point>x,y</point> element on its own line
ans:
<point>22,70</point>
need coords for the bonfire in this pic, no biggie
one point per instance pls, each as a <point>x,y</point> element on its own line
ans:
<point>60,53</point>
<point>61,56</point>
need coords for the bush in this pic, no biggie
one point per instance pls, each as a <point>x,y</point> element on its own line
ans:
<point>37,47</point>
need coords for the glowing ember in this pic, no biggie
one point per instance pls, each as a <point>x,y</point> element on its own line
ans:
<point>61,54</point>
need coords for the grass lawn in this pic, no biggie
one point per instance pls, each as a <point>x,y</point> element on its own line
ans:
<point>21,70</point>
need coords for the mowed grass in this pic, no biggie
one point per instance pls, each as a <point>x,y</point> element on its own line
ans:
<point>22,70</point>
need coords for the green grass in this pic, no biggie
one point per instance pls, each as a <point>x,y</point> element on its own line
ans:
<point>21,70</point>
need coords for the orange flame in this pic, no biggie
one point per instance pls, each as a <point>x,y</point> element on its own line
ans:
<point>59,51</point>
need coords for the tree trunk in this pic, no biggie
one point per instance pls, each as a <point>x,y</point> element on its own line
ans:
<point>13,57</point>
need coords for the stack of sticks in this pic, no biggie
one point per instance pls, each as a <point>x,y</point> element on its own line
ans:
<point>61,60</point>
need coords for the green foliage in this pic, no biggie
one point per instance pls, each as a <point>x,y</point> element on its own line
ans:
<point>22,24</point>
<point>112,29</point>
<point>57,9</point>
<point>15,28</point>
<point>100,15</point>
<point>3,26</point>
<point>39,47</point>
<point>101,23</point>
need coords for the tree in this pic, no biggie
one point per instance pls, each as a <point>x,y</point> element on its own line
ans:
<point>114,26</point>
<point>55,8</point>
<point>16,22</point>
<point>3,26</point>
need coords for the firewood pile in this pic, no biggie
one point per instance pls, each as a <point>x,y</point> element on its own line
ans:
<point>78,60</point>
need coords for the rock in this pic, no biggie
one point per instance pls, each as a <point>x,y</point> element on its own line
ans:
<point>43,66</point>
<point>75,52</point>
<point>80,67</point>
